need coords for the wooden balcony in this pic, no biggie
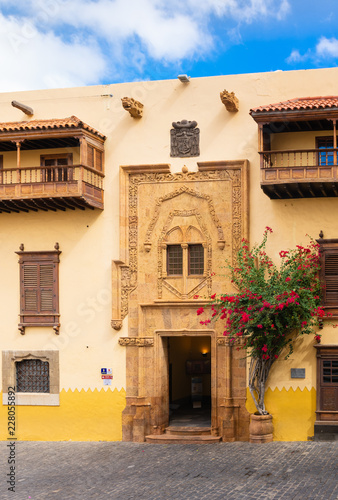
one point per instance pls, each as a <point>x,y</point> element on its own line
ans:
<point>299,173</point>
<point>50,188</point>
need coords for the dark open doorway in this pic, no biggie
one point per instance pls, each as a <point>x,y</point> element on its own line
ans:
<point>189,381</point>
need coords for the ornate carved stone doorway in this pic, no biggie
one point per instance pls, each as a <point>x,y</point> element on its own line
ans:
<point>176,231</point>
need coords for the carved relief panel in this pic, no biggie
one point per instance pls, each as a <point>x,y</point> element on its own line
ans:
<point>178,229</point>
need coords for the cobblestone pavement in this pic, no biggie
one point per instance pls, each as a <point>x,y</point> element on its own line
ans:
<point>128,471</point>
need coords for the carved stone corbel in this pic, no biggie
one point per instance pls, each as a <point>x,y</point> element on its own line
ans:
<point>134,108</point>
<point>230,101</point>
<point>116,324</point>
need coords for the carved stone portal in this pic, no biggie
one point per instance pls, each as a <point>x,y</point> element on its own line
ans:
<point>207,208</point>
<point>185,139</point>
<point>230,101</point>
<point>135,108</point>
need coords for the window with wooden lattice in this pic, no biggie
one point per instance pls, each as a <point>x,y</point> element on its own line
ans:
<point>39,289</point>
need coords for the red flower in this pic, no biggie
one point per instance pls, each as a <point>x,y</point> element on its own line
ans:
<point>200,311</point>
<point>265,348</point>
<point>288,279</point>
<point>196,296</point>
<point>245,317</point>
<point>259,326</point>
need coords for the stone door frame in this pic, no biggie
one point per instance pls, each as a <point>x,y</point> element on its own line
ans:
<point>162,367</point>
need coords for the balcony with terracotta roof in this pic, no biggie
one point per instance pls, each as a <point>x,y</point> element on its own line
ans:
<point>51,165</point>
<point>298,147</point>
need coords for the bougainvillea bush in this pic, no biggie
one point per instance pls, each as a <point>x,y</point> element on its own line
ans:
<point>272,307</point>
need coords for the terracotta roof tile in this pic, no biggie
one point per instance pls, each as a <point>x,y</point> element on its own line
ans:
<point>71,122</point>
<point>320,102</point>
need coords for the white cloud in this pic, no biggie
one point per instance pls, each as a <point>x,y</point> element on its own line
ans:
<point>30,59</point>
<point>48,43</point>
<point>295,57</point>
<point>327,48</point>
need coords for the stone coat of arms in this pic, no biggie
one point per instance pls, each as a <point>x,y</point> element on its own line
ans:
<point>184,139</point>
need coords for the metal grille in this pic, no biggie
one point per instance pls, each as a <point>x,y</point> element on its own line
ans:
<point>174,259</point>
<point>32,375</point>
<point>196,259</point>
<point>330,372</point>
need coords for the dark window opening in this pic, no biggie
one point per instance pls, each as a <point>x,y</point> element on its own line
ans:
<point>57,168</point>
<point>174,260</point>
<point>196,259</point>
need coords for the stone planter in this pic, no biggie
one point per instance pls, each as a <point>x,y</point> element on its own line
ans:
<point>261,428</point>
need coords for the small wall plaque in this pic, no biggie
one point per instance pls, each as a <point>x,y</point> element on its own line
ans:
<point>297,372</point>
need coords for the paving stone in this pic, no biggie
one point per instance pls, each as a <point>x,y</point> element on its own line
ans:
<point>140,471</point>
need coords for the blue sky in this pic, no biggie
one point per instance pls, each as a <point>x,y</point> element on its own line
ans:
<point>66,43</point>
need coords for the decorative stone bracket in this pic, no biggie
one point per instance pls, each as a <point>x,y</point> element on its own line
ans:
<point>135,108</point>
<point>230,101</point>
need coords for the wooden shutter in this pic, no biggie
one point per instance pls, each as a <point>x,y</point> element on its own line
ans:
<point>90,156</point>
<point>98,160</point>
<point>39,283</point>
<point>30,285</point>
<point>38,288</point>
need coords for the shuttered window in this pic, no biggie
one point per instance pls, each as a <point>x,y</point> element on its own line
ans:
<point>39,288</point>
<point>329,274</point>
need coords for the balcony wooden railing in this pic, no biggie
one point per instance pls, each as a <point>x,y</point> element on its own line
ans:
<point>57,187</point>
<point>299,173</point>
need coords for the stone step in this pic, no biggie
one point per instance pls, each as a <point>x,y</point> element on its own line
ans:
<point>188,431</point>
<point>181,439</point>
<point>326,431</point>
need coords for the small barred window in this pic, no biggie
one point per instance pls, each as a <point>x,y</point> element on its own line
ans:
<point>32,375</point>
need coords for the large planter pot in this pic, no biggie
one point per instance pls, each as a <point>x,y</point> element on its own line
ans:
<point>261,428</point>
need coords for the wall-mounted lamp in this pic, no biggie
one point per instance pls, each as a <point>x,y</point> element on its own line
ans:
<point>204,353</point>
<point>184,78</point>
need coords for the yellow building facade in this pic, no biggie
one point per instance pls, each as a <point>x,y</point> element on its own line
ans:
<point>119,205</point>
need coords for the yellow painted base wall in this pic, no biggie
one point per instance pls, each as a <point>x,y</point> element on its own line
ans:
<point>293,412</point>
<point>82,416</point>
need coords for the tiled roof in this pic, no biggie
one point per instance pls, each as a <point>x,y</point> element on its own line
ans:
<point>71,122</point>
<point>300,103</point>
